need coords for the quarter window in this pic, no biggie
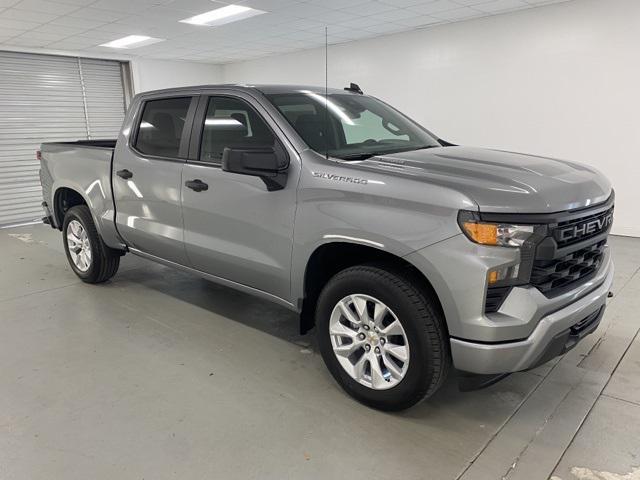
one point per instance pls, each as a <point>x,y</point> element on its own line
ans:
<point>162,126</point>
<point>232,123</point>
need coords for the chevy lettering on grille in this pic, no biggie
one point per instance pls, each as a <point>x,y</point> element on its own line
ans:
<point>586,228</point>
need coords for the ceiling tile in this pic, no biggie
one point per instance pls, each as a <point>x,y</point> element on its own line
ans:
<point>370,8</point>
<point>419,21</point>
<point>10,32</point>
<point>501,6</point>
<point>24,15</point>
<point>45,6</point>
<point>470,3</point>
<point>462,13</point>
<point>25,41</point>
<point>91,13</point>
<point>360,22</point>
<point>271,5</point>
<point>61,29</point>
<point>395,15</point>
<point>73,44</point>
<point>303,10</point>
<point>101,37</point>
<point>386,28</point>
<point>336,4</point>
<point>122,6</point>
<point>79,3</point>
<point>118,28</point>
<point>402,3</point>
<point>17,24</point>
<point>79,23</point>
<point>427,8</point>
<point>304,24</point>
<point>334,16</point>
<point>45,37</point>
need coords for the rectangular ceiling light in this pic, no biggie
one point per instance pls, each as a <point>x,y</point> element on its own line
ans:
<point>132,41</point>
<point>220,16</point>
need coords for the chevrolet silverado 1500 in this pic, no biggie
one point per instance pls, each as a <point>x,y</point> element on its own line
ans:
<point>409,255</point>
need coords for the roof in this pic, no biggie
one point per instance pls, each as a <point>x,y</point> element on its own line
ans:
<point>263,88</point>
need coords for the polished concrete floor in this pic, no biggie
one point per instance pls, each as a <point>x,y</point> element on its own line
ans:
<point>158,374</point>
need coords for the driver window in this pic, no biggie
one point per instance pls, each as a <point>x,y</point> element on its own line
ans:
<point>232,123</point>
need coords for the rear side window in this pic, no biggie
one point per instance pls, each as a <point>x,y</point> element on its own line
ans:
<point>232,123</point>
<point>162,126</point>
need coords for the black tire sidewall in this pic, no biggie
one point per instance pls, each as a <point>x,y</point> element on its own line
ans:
<point>82,215</point>
<point>414,385</point>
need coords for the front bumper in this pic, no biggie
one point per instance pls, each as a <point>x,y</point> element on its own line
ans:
<point>554,334</point>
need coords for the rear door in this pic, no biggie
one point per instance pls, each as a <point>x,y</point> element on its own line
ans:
<point>147,175</point>
<point>237,229</point>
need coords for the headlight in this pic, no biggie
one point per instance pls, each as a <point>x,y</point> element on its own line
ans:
<point>496,234</point>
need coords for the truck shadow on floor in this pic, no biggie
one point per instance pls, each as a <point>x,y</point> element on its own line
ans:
<point>279,322</point>
<point>226,302</point>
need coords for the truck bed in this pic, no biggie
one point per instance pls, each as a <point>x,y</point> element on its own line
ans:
<point>83,166</point>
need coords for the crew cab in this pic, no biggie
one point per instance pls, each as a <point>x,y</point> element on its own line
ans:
<point>408,254</point>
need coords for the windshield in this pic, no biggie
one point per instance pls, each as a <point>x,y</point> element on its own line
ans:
<point>350,126</point>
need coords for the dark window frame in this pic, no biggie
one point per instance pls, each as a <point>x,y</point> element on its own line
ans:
<point>195,144</point>
<point>183,149</point>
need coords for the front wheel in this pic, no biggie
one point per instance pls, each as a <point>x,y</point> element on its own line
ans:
<point>382,338</point>
<point>89,257</point>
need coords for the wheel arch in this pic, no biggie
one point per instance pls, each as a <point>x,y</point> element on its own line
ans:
<point>63,199</point>
<point>330,258</point>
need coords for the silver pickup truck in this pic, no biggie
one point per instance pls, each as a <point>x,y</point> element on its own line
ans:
<point>409,255</point>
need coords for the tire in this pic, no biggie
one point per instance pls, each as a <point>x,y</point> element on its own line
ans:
<point>103,262</point>
<point>424,331</point>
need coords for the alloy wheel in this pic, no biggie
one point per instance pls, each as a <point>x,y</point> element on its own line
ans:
<point>79,246</point>
<point>369,341</point>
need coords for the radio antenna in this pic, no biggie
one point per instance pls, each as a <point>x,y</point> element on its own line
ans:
<point>326,92</point>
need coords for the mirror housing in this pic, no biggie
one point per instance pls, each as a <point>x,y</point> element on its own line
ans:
<point>269,163</point>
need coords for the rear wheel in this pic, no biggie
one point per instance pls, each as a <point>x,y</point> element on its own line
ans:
<point>382,338</point>
<point>89,257</point>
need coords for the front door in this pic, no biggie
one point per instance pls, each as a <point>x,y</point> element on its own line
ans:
<point>147,177</point>
<point>236,228</point>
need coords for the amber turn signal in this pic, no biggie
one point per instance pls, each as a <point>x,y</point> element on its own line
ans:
<point>483,233</point>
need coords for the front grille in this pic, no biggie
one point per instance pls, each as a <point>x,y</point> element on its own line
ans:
<point>552,277</point>
<point>582,221</point>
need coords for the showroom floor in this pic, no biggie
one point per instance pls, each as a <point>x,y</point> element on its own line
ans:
<point>159,374</point>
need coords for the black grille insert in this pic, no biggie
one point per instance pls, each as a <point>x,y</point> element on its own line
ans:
<point>586,322</point>
<point>551,277</point>
<point>495,297</point>
<point>598,228</point>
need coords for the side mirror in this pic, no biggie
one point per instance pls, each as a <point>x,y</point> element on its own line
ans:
<point>268,163</point>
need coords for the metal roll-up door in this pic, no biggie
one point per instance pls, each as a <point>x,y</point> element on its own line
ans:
<point>103,89</point>
<point>49,98</point>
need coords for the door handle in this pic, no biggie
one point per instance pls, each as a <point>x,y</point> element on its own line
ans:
<point>196,185</point>
<point>126,174</point>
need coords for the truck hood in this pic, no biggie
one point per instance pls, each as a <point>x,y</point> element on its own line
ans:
<point>500,181</point>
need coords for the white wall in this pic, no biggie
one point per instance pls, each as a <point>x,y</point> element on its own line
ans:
<point>151,74</point>
<point>561,80</point>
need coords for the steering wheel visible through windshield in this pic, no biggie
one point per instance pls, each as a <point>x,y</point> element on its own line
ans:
<point>350,126</point>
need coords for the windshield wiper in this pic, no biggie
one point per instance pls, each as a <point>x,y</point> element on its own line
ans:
<point>361,156</point>
<point>365,155</point>
<point>422,148</point>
